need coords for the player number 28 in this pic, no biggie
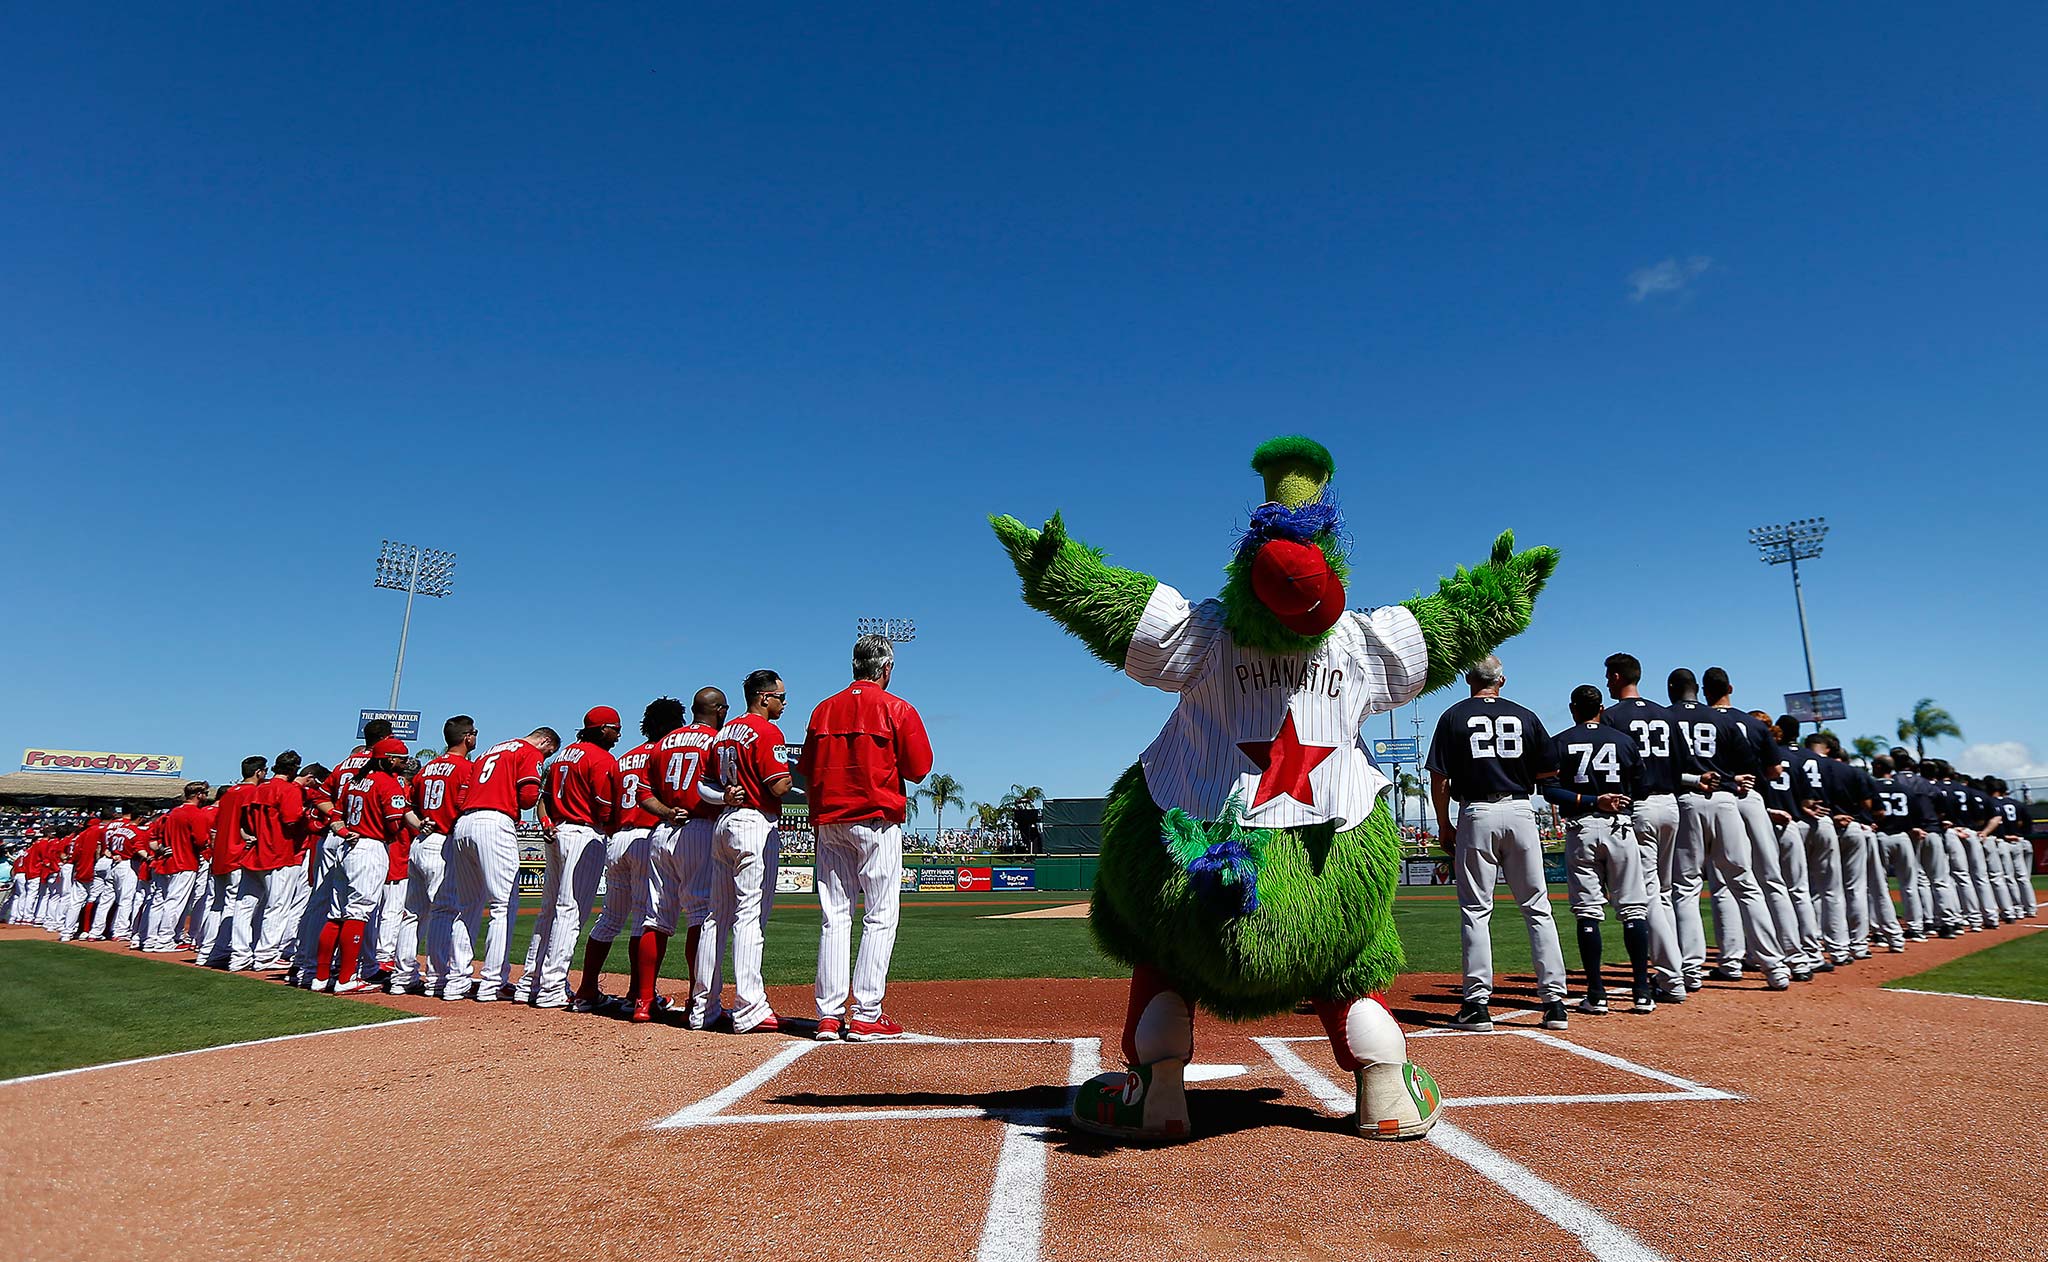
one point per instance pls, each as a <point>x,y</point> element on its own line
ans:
<point>1495,737</point>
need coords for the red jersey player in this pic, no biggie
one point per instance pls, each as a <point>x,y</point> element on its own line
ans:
<point>374,808</point>
<point>439,793</point>
<point>583,801</point>
<point>680,870</point>
<point>747,843</point>
<point>484,864</point>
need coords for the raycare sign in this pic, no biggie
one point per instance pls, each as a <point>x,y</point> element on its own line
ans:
<point>99,762</point>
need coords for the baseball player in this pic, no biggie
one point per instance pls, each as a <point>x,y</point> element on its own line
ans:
<point>747,844</point>
<point>1491,753</point>
<point>1940,898</point>
<point>1722,746</point>
<point>18,876</point>
<point>2010,825</point>
<point>75,871</point>
<point>1965,849</point>
<point>1996,853</point>
<point>861,746</point>
<point>1760,747</point>
<point>116,911</point>
<point>483,862</point>
<point>659,796</point>
<point>1664,832</point>
<point>271,813</point>
<point>1898,848</point>
<point>438,795</point>
<point>374,805</point>
<point>1599,769</point>
<point>387,920</point>
<point>231,838</point>
<point>100,887</point>
<point>676,889</point>
<point>174,871</point>
<point>1858,827</point>
<point>583,803</point>
<point>1819,796</point>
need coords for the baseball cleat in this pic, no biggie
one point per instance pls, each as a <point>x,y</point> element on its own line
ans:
<point>859,1031</point>
<point>1668,994</point>
<point>1779,983</point>
<point>1802,974</point>
<point>770,1024</point>
<point>1146,1104</point>
<point>1473,1016</point>
<point>1725,973</point>
<point>1555,1017</point>
<point>1397,1101</point>
<point>579,1004</point>
<point>323,987</point>
<point>1694,983</point>
<point>413,987</point>
<point>642,1013</point>
<point>354,987</point>
<point>1594,1005</point>
<point>828,1030</point>
<point>1641,1004</point>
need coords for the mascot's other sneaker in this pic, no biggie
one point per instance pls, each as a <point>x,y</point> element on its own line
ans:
<point>1397,1101</point>
<point>1147,1104</point>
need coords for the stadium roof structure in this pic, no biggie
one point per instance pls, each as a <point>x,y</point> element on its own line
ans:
<point>86,786</point>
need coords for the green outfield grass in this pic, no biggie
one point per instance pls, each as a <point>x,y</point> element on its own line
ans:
<point>2017,969</point>
<point>945,936</point>
<point>66,1006</point>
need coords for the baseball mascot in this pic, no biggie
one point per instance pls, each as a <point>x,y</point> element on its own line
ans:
<point>1248,862</point>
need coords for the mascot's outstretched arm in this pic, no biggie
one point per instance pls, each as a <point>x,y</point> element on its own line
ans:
<point>1475,611</point>
<point>1066,579</point>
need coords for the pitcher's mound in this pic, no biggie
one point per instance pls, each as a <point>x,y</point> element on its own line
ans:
<point>1066,911</point>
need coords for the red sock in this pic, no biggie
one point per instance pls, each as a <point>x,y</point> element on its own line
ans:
<point>646,965</point>
<point>85,918</point>
<point>324,961</point>
<point>690,945</point>
<point>351,947</point>
<point>593,964</point>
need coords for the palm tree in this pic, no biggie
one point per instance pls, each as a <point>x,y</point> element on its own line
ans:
<point>941,791</point>
<point>1022,795</point>
<point>1408,787</point>
<point>1929,722</point>
<point>1868,747</point>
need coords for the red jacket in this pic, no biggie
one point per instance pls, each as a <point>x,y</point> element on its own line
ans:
<point>862,744</point>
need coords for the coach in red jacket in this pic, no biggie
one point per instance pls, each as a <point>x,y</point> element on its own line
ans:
<point>861,746</point>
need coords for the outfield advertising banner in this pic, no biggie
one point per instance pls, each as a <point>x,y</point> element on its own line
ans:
<point>99,762</point>
<point>937,880</point>
<point>975,879</point>
<point>909,879</point>
<point>795,880</point>
<point>1013,879</point>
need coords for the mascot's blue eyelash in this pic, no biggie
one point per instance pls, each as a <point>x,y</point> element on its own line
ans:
<point>1277,521</point>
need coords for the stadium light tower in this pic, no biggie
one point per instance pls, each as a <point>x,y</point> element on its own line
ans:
<point>895,630</point>
<point>416,571</point>
<point>1789,544</point>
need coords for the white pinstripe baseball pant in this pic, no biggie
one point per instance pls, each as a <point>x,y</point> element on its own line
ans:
<point>748,849</point>
<point>866,857</point>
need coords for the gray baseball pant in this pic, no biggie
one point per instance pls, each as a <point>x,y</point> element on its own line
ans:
<point>1500,839</point>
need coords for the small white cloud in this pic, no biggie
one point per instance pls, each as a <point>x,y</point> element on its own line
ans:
<point>2008,760</point>
<point>1668,277</point>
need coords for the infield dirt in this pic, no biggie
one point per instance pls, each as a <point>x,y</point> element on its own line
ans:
<point>1837,1120</point>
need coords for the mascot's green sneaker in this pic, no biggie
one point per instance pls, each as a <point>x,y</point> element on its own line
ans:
<point>1397,1101</point>
<point>1147,1104</point>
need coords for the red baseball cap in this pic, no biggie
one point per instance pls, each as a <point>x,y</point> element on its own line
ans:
<point>601,716</point>
<point>389,747</point>
<point>1295,581</point>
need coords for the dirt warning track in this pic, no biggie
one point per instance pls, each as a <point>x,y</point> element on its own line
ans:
<point>1838,1120</point>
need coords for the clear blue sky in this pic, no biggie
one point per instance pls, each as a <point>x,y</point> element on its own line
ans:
<point>699,336</point>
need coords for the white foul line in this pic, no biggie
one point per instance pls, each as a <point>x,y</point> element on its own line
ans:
<point>1016,1206</point>
<point>220,1047</point>
<point>1953,994</point>
<point>1602,1238</point>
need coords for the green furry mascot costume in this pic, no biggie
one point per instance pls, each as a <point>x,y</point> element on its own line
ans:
<point>1248,861</point>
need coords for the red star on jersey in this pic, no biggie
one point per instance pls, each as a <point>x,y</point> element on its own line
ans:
<point>1286,764</point>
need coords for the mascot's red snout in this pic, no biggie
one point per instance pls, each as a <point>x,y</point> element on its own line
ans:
<point>1295,582</point>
